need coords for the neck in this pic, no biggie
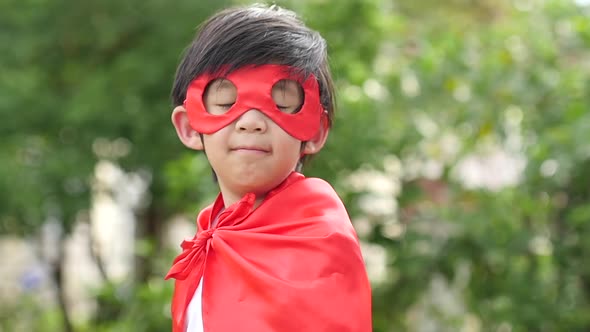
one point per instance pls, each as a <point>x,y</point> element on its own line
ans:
<point>229,199</point>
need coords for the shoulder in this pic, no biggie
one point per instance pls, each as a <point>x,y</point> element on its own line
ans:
<point>316,195</point>
<point>315,201</point>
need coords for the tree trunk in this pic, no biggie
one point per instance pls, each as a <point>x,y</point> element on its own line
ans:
<point>57,269</point>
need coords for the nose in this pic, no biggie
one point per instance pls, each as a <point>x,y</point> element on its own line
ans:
<point>252,121</point>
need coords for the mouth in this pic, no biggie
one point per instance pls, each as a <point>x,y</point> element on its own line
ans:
<point>250,149</point>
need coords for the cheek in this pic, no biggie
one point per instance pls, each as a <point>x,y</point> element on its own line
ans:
<point>216,141</point>
<point>289,145</point>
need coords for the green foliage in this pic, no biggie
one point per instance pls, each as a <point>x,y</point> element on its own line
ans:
<point>422,86</point>
<point>29,315</point>
<point>82,82</point>
<point>142,308</point>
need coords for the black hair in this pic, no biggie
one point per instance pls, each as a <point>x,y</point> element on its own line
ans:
<point>255,35</point>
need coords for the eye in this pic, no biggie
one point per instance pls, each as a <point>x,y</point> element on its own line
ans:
<point>219,96</point>
<point>225,106</point>
<point>288,96</point>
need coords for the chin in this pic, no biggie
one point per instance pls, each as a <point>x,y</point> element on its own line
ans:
<point>259,181</point>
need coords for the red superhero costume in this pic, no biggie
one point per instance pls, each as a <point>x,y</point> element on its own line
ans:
<point>293,264</point>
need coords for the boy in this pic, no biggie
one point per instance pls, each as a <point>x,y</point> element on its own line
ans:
<point>276,251</point>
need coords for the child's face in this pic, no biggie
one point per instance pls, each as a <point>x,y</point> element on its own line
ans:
<point>251,154</point>
<point>247,149</point>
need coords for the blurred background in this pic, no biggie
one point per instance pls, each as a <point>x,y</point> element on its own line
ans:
<point>461,148</point>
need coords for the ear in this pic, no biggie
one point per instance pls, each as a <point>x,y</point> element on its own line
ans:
<point>316,143</point>
<point>188,136</point>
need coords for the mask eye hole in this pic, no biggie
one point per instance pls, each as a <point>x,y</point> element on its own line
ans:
<point>288,96</point>
<point>219,96</point>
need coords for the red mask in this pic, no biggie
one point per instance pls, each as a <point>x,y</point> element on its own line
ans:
<point>254,91</point>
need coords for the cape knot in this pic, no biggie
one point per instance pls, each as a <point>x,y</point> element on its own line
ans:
<point>200,241</point>
<point>203,238</point>
<point>192,256</point>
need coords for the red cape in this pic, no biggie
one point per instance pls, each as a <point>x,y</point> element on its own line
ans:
<point>291,265</point>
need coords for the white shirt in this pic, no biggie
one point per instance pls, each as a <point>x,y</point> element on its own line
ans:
<point>194,314</point>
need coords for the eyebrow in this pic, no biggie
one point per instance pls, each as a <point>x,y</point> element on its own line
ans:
<point>223,83</point>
